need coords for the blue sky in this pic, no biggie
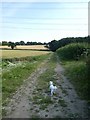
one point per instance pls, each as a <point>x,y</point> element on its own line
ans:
<point>43,21</point>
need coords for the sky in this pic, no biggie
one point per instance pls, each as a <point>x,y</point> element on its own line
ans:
<point>42,20</point>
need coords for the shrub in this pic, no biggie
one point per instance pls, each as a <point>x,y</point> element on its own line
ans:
<point>72,51</point>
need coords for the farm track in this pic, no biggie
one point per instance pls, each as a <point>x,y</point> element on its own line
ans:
<point>66,103</point>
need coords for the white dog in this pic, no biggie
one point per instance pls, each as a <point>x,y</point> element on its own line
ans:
<point>52,88</point>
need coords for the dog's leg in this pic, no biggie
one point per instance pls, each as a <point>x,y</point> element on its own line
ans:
<point>51,92</point>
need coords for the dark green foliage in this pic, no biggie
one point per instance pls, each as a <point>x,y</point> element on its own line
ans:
<point>72,51</point>
<point>12,45</point>
<point>22,43</point>
<point>76,60</point>
<point>54,45</point>
<point>4,43</point>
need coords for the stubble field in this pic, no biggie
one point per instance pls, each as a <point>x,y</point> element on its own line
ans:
<point>37,47</point>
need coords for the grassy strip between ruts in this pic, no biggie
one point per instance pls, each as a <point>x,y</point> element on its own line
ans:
<point>12,79</point>
<point>43,85</point>
<point>48,75</point>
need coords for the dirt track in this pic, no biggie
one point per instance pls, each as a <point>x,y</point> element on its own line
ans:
<point>66,103</point>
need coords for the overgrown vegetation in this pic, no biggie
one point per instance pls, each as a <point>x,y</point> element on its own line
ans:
<point>55,44</point>
<point>73,51</point>
<point>13,78</point>
<point>77,73</point>
<point>76,60</point>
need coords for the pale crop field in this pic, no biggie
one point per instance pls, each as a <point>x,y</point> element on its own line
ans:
<point>37,47</point>
<point>21,53</point>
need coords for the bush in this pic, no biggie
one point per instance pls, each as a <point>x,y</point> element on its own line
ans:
<point>72,51</point>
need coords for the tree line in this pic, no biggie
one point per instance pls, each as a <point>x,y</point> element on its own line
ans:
<point>14,44</point>
<point>55,44</point>
<point>22,43</point>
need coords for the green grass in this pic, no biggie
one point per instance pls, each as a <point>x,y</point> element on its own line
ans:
<point>48,75</point>
<point>12,79</point>
<point>43,101</point>
<point>62,103</point>
<point>43,84</point>
<point>76,61</point>
<point>76,71</point>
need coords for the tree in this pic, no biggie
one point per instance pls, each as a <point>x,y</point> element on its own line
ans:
<point>17,43</point>
<point>12,45</point>
<point>4,43</point>
<point>22,43</point>
<point>53,45</point>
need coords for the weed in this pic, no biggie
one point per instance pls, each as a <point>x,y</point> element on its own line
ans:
<point>62,103</point>
<point>43,106</point>
<point>4,112</point>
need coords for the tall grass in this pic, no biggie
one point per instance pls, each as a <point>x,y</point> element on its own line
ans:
<point>76,60</point>
<point>77,74</point>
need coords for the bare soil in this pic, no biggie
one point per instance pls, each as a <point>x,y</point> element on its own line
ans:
<point>66,102</point>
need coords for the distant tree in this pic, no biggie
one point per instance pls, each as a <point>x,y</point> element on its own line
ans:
<point>17,43</point>
<point>53,45</point>
<point>44,43</point>
<point>39,43</point>
<point>4,43</point>
<point>28,43</point>
<point>34,43</point>
<point>22,43</point>
<point>12,45</point>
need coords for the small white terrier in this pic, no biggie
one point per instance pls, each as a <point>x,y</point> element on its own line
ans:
<point>52,88</point>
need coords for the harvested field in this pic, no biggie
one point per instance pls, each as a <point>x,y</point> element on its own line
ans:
<point>21,53</point>
<point>36,47</point>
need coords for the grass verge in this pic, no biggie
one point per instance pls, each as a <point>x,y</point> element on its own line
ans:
<point>76,71</point>
<point>12,79</point>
